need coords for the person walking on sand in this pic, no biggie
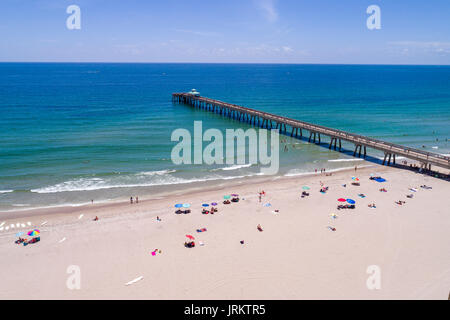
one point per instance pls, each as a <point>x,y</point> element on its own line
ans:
<point>131,200</point>
<point>137,199</point>
<point>356,167</point>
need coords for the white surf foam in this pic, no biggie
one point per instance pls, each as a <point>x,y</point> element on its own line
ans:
<point>345,160</point>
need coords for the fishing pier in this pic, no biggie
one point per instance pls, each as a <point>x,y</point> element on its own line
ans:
<point>296,128</point>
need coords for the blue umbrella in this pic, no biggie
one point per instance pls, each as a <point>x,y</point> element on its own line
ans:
<point>186,205</point>
<point>380,180</point>
<point>205,205</point>
<point>179,205</point>
<point>18,234</point>
<point>351,201</point>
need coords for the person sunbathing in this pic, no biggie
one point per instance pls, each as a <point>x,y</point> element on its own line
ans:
<point>235,200</point>
<point>187,211</point>
<point>259,228</point>
<point>204,211</point>
<point>190,244</point>
<point>96,218</point>
<point>226,202</point>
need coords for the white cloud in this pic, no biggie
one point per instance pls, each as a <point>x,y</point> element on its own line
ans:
<point>268,9</point>
<point>199,33</point>
<point>424,46</point>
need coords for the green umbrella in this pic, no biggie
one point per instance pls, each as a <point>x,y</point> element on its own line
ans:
<point>306,188</point>
<point>227,197</point>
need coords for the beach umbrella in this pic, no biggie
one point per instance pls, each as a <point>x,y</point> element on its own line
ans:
<point>355,179</point>
<point>186,205</point>
<point>190,237</point>
<point>235,195</point>
<point>214,204</point>
<point>306,188</point>
<point>342,200</point>
<point>18,234</point>
<point>178,205</point>
<point>205,205</point>
<point>34,232</point>
<point>226,197</point>
<point>351,201</point>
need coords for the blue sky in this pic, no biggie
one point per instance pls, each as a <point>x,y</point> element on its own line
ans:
<point>255,31</point>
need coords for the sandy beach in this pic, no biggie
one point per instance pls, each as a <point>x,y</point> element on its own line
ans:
<point>296,256</point>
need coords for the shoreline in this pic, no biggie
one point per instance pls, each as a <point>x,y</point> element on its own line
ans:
<point>145,198</point>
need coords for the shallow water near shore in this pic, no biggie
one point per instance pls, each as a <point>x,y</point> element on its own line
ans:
<point>76,132</point>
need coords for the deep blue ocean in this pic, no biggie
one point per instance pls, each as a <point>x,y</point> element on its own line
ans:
<point>71,132</point>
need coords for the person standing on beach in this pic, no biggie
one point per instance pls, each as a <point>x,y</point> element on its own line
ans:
<point>356,167</point>
<point>137,199</point>
<point>131,200</point>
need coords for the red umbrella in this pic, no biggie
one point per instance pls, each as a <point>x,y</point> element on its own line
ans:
<point>342,200</point>
<point>190,237</point>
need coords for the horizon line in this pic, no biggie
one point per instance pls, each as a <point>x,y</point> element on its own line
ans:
<point>230,63</point>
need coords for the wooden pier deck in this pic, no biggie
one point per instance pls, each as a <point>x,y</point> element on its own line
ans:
<point>295,129</point>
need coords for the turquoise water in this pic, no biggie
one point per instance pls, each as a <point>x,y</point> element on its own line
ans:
<point>75,132</point>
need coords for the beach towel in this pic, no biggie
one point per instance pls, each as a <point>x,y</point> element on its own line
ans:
<point>44,223</point>
<point>267,205</point>
<point>134,281</point>
<point>202,230</point>
<point>81,216</point>
<point>62,240</point>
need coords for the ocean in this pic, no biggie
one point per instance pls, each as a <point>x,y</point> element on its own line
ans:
<point>72,132</point>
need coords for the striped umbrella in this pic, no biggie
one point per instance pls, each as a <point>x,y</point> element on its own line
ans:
<point>34,233</point>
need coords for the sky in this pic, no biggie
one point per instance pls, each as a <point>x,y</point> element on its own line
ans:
<point>231,31</point>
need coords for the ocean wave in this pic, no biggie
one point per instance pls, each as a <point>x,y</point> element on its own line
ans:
<point>236,167</point>
<point>296,172</point>
<point>159,173</point>
<point>345,160</point>
<point>6,191</point>
<point>91,184</point>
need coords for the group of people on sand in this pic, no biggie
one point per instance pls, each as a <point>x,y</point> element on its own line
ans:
<point>261,194</point>
<point>212,211</point>
<point>26,242</point>
<point>136,200</point>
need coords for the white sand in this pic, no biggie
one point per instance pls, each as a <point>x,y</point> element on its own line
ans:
<point>295,257</point>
